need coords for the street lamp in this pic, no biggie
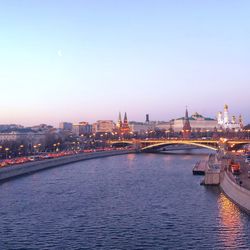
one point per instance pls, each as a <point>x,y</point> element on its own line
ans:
<point>35,147</point>
<point>21,149</point>
<point>6,152</point>
<point>73,145</point>
<point>167,133</point>
<point>207,132</point>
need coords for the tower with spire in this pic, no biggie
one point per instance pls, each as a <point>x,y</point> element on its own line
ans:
<point>122,126</point>
<point>119,123</point>
<point>186,131</point>
<point>125,127</point>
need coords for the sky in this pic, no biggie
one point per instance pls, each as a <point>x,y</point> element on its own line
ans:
<point>89,59</point>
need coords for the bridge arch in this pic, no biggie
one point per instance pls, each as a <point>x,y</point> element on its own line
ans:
<point>163,144</point>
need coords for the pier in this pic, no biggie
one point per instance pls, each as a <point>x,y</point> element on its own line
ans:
<point>210,168</point>
<point>200,168</point>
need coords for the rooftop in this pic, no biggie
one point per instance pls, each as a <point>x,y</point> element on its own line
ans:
<point>197,116</point>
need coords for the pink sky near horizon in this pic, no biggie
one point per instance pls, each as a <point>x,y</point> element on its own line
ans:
<point>54,117</point>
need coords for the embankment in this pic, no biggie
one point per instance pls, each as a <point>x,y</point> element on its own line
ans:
<point>234,192</point>
<point>7,173</point>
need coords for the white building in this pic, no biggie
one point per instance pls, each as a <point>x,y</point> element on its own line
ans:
<point>103,126</point>
<point>197,123</point>
<point>81,128</point>
<point>223,120</point>
<point>29,137</point>
<point>163,125</point>
<point>141,127</point>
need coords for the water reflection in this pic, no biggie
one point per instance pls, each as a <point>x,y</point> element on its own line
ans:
<point>231,225</point>
<point>131,157</point>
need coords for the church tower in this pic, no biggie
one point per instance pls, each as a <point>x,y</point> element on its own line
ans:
<point>186,131</point>
<point>219,118</point>
<point>233,119</point>
<point>226,115</point>
<point>241,121</point>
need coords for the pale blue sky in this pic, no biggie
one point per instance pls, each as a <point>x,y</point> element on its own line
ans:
<point>88,60</point>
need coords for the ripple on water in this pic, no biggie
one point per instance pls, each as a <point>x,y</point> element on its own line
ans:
<point>124,202</point>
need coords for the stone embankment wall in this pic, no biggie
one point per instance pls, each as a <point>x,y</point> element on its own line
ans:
<point>31,167</point>
<point>212,174</point>
<point>234,192</point>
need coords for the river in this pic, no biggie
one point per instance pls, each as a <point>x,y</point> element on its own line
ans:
<point>143,201</point>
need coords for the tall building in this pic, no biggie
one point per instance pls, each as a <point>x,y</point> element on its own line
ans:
<point>103,126</point>
<point>66,126</point>
<point>81,128</point>
<point>186,131</point>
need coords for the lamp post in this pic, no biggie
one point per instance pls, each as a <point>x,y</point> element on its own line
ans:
<point>167,133</point>
<point>39,146</point>
<point>54,145</point>
<point>207,132</point>
<point>58,144</point>
<point>35,147</point>
<point>6,152</point>
<point>21,149</point>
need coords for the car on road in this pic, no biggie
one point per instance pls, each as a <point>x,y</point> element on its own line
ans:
<point>235,168</point>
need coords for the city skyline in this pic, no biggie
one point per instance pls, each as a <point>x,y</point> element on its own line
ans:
<point>77,61</point>
<point>235,118</point>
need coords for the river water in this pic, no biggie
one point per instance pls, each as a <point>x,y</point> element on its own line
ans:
<point>145,201</point>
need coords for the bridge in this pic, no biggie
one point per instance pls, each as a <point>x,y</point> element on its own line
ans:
<point>146,145</point>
